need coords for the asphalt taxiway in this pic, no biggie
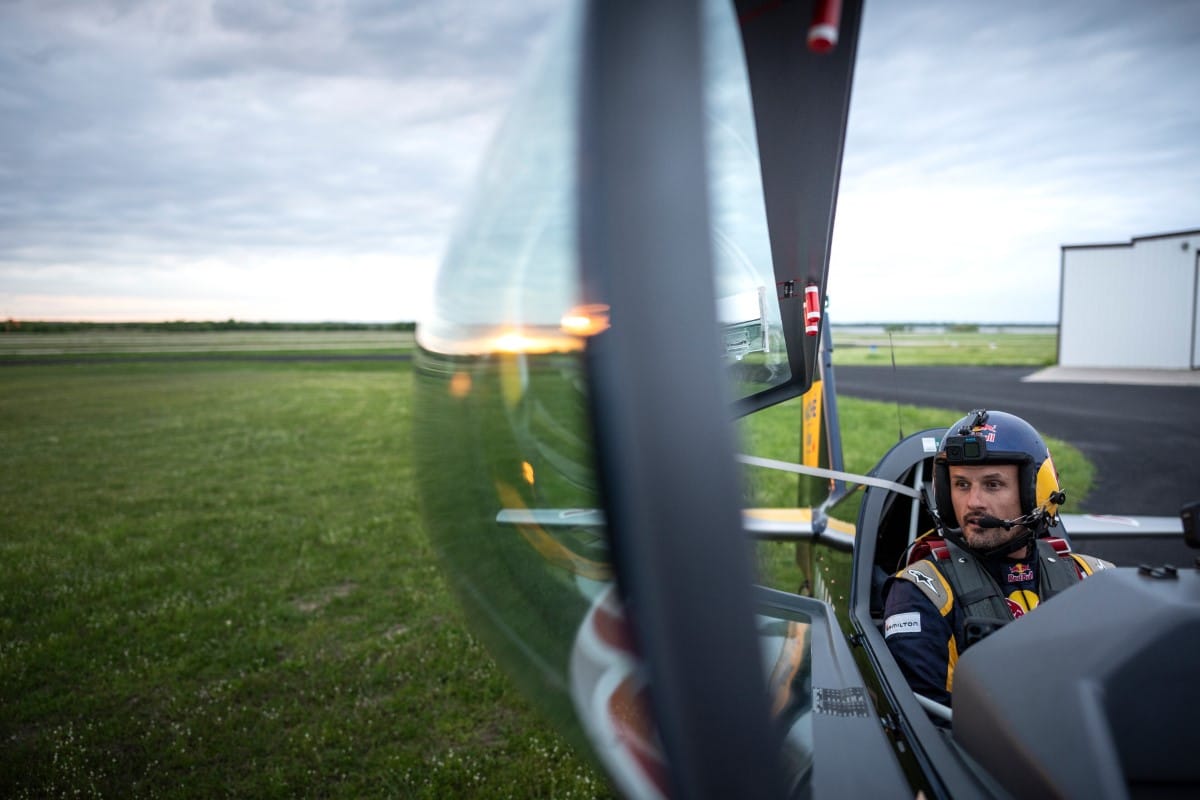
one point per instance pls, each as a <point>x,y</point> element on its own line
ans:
<point>1141,428</point>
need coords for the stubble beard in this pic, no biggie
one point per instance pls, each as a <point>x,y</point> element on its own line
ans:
<point>988,538</point>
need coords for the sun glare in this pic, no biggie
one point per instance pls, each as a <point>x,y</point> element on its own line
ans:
<point>585,320</point>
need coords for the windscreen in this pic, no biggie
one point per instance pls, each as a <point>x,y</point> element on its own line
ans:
<point>503,443</point>
<point>510,279</point>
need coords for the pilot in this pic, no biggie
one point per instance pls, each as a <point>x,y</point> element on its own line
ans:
<point>997,496</point>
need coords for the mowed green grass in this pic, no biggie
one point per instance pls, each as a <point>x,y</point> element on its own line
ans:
<point>76,345</point>
<point>950,348</point>
<point>213,583</point>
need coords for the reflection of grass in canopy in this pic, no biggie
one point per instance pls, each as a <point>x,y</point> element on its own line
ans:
<point>515,441</point>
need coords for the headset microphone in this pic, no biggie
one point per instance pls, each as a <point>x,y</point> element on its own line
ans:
<point>1038,519</point>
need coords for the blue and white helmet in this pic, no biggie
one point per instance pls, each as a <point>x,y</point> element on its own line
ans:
<point>996,437</point>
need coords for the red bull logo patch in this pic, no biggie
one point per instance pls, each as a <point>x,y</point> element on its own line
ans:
<point>1021,602</point>
<point>987,431</point>
<point>1020,573</point>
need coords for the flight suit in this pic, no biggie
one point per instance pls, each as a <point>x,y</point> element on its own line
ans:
<point>929,602</point>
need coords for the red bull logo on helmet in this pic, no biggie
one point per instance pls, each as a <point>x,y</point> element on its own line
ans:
<point>988,431</point>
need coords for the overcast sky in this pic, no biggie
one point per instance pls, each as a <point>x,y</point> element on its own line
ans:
<point>305,160</point>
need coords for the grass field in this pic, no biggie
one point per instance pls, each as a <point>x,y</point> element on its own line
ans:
<point>850,346</point>
<point>18,345</point>
<point>949,348</point>
<point>213,582</point>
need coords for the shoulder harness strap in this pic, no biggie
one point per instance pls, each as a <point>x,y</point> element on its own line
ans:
<point>978,594</point>
<point>1058,571</point>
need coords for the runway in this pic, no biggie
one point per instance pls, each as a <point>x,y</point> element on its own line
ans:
<point>1143,438</point>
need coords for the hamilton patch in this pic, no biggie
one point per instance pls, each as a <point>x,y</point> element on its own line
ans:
<point>908,622</point>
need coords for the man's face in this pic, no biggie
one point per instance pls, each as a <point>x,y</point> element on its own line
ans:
<point>985,489</point>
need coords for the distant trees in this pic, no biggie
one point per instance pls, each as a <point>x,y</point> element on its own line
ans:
<point>40,326</point>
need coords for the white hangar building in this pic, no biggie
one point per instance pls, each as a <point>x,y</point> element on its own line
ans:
<point>1133,305</point>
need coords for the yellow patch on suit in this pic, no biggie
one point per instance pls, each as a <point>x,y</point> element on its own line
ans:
<point>1090,564</point>
<point>951,663</point>
<point>1024,598</point>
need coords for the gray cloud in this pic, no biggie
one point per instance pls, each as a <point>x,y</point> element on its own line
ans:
<point>167,134</point>
<point>998,137</point>
<point>140,130</point>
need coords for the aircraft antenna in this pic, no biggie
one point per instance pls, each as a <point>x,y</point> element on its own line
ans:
<point>896,386</point>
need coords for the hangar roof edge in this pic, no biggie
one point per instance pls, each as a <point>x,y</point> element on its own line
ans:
<point>1135,239</point>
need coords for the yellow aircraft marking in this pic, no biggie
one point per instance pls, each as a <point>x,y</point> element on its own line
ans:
<point>550,548</point>
<point>798,516</point>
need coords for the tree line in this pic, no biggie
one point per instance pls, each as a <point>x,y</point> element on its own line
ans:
<point>43,326</point>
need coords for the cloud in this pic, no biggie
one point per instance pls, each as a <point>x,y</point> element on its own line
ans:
<point>144,144</point>
<point>174,137</point>
<point>372,287</point>
<point>977,146</point>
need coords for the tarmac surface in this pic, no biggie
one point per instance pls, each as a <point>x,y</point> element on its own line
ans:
<point>1141,428</point>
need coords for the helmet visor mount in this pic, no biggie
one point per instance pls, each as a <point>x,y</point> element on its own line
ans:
<point>965,449</point>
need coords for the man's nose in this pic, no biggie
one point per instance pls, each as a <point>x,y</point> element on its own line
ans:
<point>974,497</point>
